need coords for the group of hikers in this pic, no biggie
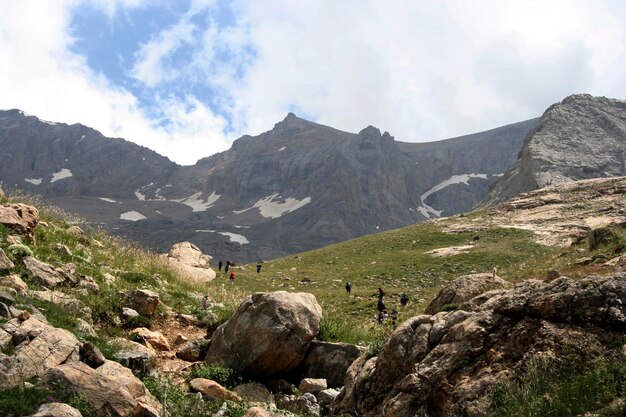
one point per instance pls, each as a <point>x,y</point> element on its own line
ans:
<point>226,268</point>
<point>383,315</point>
<point>230,264</point>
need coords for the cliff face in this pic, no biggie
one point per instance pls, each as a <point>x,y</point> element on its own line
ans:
<point>581,137</point>
<point>296,187</point>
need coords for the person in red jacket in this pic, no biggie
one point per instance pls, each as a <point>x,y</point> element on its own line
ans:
<point>232,278</point>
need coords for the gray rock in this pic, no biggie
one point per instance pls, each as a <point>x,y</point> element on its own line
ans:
<point>5,311</point>
<point>42,273</point>
<point>312,385</point>
<point>91,355</point>
<point>69,303</point>
<point>305,404</point>
<point>57,410</point>
<point>13,281</point>
<point>579,138</point>
<point>6,298</point>
<point>143,301</point>
<point>326,397</point>
<point>5,262</point>
<point>38,347</point>
<point>465,288</point>
<point>254,392</point>
<point>20,217</point>
<point>330,361</point>
<point>193,350</point>
<point>129,313</point>
<point>105,391</point>
<point>288,323</point>
<point>85,328</point>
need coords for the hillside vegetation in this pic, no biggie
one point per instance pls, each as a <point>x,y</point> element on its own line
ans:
<point>419,260</point>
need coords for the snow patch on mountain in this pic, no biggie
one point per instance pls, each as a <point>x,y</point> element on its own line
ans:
<point>108,200</point>
<point>34,181</point>
<point>234,237</point>
<point>62,174</point>
<point>196,203</point>
<point>427,210</point>
<point>274,209</point>
<point>133,216</point>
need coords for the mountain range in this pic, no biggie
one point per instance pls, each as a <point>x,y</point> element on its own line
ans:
<point>301,185</point>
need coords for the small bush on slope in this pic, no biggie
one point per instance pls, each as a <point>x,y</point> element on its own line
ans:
<point>565,389</point>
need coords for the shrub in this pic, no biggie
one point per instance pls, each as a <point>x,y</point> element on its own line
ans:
<point>224,376</point>
<point>20,401</point>
<point>563,389</point>
<point>18,251</point>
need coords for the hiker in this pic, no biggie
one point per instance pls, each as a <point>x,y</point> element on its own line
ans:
<point>382,316</point>
<point>348,288</point>
<point>232,278</point>
<point>404,299</point>
<point>258,267</point>
<point>219,265</point>
<point>381,305</point>
<point>381,293</point>
<point>226,267</point>
<point>394,317</point>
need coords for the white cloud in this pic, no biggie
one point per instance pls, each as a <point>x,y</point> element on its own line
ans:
<point>41,76</point>
<point>149,67</point>
<point>421,70</point>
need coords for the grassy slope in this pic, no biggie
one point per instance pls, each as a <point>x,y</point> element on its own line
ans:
<point>396,260</point>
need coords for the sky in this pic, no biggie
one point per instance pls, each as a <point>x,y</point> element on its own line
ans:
<point>187,77</point>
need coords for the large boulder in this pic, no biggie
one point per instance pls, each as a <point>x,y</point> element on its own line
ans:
<point>20,217</point>
<point>449,363</point>
<point>145,302</point>
<point>37,347</point>
<point>465,288</point>
<point>42,273</point>
<point>330,361</point>
<point>110,391</point>
<point>268,334</point>
<point>189,260</point>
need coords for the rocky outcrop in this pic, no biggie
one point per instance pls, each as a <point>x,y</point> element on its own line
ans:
<point>37,347</point>
<point>113,391</point>
<point>305,404</point>
<point>193,350</point>
<point>69,303</point>
<point>463,289</point>
<point>154,339</point>
<point>42,273</point>
<point>288,322</point>
<point>579,138</point>
<point>189,260</point>
<point>57,410</point>
<point>145,302</point>
<point>330,361</point>
<point>5,262</point>
<point>213,389</point>
<point>19,217</point>
<point>448,364</point>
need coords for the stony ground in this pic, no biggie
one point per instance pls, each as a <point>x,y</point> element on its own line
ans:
<point>558,215</point>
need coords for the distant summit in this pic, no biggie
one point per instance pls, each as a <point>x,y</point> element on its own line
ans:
<point>581,137</point>
<point>299,186</point>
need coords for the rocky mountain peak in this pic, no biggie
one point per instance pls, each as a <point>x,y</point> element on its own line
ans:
<point>581,137</point>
